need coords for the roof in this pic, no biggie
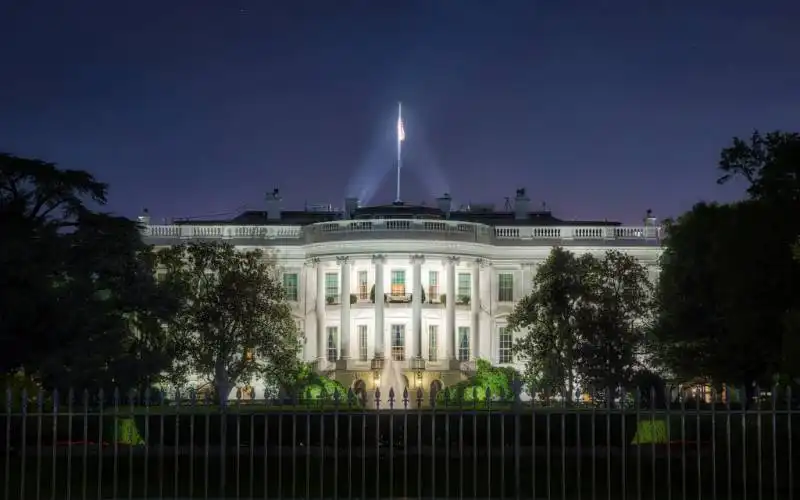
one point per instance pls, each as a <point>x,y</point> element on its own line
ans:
<point>397,211</point>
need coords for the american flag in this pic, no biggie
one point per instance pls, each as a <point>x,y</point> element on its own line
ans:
<point>401,134</point>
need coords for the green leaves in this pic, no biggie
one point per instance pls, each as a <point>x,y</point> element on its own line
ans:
<point>585,317</point>
<point>85,310</point>
<point>233,323</point>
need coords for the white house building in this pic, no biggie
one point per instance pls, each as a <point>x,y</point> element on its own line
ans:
<point>447,278</point>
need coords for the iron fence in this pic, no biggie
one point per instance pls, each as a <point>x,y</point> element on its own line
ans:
<point>339,447</point>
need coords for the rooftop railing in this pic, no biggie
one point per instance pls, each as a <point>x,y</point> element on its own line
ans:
<point>446,230</point>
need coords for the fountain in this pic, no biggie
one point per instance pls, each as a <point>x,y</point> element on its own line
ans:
<point>391,378</point>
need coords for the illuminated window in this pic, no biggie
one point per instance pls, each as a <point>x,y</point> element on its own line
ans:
<point>463,343</point>
<point>433,286</point>
<point>333,341</point>
<point>398,282</point>
<point>433,342</point>
<point>363,354</point>
<point>464,285</point>
<point>363,288</point>
<point>505,343</point>
<point>398,342</point>
<point>332,288</point>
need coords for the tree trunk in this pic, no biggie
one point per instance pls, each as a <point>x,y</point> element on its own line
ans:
<point>222,385</point>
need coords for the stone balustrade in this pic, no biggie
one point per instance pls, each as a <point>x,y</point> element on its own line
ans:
<point>447,230</point>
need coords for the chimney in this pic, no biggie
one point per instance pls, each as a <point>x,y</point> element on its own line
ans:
<point>521,205</point>
<point>274,205</point>
<point>650,225</point>
<point>144,218</point>
<point>350,206</point>
<point>445,204</point>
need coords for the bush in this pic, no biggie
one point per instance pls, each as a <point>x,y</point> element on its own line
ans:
<point>494,381</point>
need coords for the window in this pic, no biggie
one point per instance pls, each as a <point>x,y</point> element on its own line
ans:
<point>333,340</point>
<point>398,282</point>
<point>464,288</point>
<point>290,286</point>
<point>363,288</point>
<point>505,287</point>
<point>398,342</point>
<point>332,288</point>
<point>433,342</point>
<point>363,353</point>
<point>463,343</point>
<point>505,341</point>
<point>433,286</point>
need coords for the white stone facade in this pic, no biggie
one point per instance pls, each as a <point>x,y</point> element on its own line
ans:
<point>486,268</point>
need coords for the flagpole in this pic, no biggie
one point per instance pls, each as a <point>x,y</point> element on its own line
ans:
<point>400,134</point>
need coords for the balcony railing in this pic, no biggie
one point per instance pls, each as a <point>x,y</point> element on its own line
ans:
<point>446,230</point>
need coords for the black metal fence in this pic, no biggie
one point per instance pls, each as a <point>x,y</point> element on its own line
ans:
<point>337,448</point>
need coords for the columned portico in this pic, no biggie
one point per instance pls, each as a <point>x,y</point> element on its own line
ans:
<point>416,304</point>
<point>450,309</point>
<point>344,348</point>
<point>475,310</point>
<point>320,310</point>
<point>380,350</point>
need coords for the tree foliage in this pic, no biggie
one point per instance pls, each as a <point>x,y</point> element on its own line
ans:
<point>233,324</point>
<point>612,321</point>
<point>585,317</point>
<point>726,297</point>
<point>80,306</point>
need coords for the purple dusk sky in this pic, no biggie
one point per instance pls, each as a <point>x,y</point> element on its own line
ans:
<point>601,109</point>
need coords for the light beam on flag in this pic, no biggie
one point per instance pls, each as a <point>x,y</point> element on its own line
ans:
<point>401,136</point>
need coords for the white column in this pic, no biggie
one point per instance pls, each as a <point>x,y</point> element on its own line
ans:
<point>378,261</point>
<point>475,308</point>
<point>322,343</point>
<point>450,309</point>
<point>415,347</point>
<point>344,346</point>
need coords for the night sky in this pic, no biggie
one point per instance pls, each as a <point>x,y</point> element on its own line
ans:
<point>601,109</point>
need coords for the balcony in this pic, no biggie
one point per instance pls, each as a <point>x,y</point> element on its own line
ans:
<point>441,230</point>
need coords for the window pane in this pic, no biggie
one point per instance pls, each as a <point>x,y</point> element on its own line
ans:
<point>505,341</point>
<point>433,343</point>
<point>333,341</point>
<point>398,342</point>
<point>505,288</point>
<point>433,287</point>
<point>463,343</point>
<point>290,281</point>
<point>363,286</point>
<point>464,285</point>
<point>398,282</point>
<point>332,288</point>
<point>363,354</point>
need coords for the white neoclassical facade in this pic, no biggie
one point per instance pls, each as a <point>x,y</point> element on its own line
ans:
<point>448,279</point>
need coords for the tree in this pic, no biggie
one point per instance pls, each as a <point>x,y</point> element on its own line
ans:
<point>585,317</point>
<point>233,324</point>
<point>612,320</point>
<point>726,295</point>
<point>85,310</point>
<point>546,318</point>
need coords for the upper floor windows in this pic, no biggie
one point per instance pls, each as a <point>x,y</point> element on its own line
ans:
<point>332,288</point>
<point>363,285</point>
<point>464,286</point>
<point>505,287</point>
<point>291,286</point>
<point>398,282</point>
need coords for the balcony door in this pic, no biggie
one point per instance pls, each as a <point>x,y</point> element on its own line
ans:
<point>399,342</point>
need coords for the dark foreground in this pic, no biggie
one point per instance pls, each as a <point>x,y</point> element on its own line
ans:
<point>357,472</point>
